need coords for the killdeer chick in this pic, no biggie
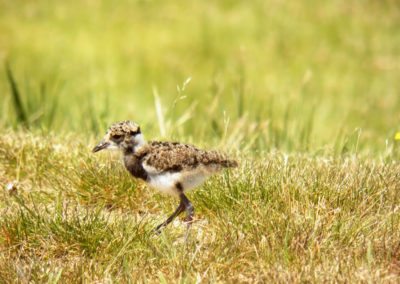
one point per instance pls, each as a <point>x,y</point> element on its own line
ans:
<point>170,167</point>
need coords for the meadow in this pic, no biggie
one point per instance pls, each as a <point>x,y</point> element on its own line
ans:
<point>304,94</point>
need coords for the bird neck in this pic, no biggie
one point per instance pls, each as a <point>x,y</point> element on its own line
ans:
<point>134,145</point>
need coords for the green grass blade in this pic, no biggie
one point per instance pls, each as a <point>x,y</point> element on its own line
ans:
<point>16,96</point>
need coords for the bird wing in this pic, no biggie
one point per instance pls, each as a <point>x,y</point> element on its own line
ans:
<point>174,156</point>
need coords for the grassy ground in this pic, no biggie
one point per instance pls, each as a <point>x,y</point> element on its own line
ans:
<point>73,216</point>
<point>303,93</point>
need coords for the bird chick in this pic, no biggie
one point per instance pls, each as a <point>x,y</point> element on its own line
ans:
<point>170,167</point>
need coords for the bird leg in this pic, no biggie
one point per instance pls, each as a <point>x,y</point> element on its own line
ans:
<point>189,208</point>
<point>178,211</point>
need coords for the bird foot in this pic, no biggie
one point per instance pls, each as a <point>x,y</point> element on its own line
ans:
<point>157,230</point>
<point>189,219</point>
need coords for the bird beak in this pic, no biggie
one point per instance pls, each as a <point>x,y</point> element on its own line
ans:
<point>102,145</point>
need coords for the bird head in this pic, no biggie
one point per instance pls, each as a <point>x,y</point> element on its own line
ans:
<point>124,135</point>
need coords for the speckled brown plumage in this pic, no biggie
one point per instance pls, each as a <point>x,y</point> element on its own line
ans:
<point>174,156</point>
<point>120,128</point>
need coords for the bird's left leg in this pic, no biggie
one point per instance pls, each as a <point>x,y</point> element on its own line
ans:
<point>178,211</point>
<point>189,208</point>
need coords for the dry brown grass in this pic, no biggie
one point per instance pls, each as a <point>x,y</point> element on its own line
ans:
<point>74,216</point>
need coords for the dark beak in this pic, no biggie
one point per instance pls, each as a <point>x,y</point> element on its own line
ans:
<point>102,145</point>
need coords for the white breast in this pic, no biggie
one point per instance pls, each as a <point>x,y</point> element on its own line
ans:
<point>166,182</point>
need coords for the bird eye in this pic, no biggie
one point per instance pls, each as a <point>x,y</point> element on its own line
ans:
<point>116,137</point>
<point>133,133</point>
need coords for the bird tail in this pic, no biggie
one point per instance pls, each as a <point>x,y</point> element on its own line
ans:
<point>229,163</point>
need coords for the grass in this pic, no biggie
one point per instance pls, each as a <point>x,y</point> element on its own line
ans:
<point>73,216</point>
<point>303,93</point>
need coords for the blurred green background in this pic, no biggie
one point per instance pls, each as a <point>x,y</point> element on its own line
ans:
<point>291,75</point>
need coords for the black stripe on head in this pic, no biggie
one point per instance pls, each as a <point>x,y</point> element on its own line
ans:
<point>133,133</point>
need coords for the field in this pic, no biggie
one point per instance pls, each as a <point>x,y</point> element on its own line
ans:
<point>304,94</point>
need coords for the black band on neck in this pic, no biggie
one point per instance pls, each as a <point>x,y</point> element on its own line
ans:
<point>128,150</point>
